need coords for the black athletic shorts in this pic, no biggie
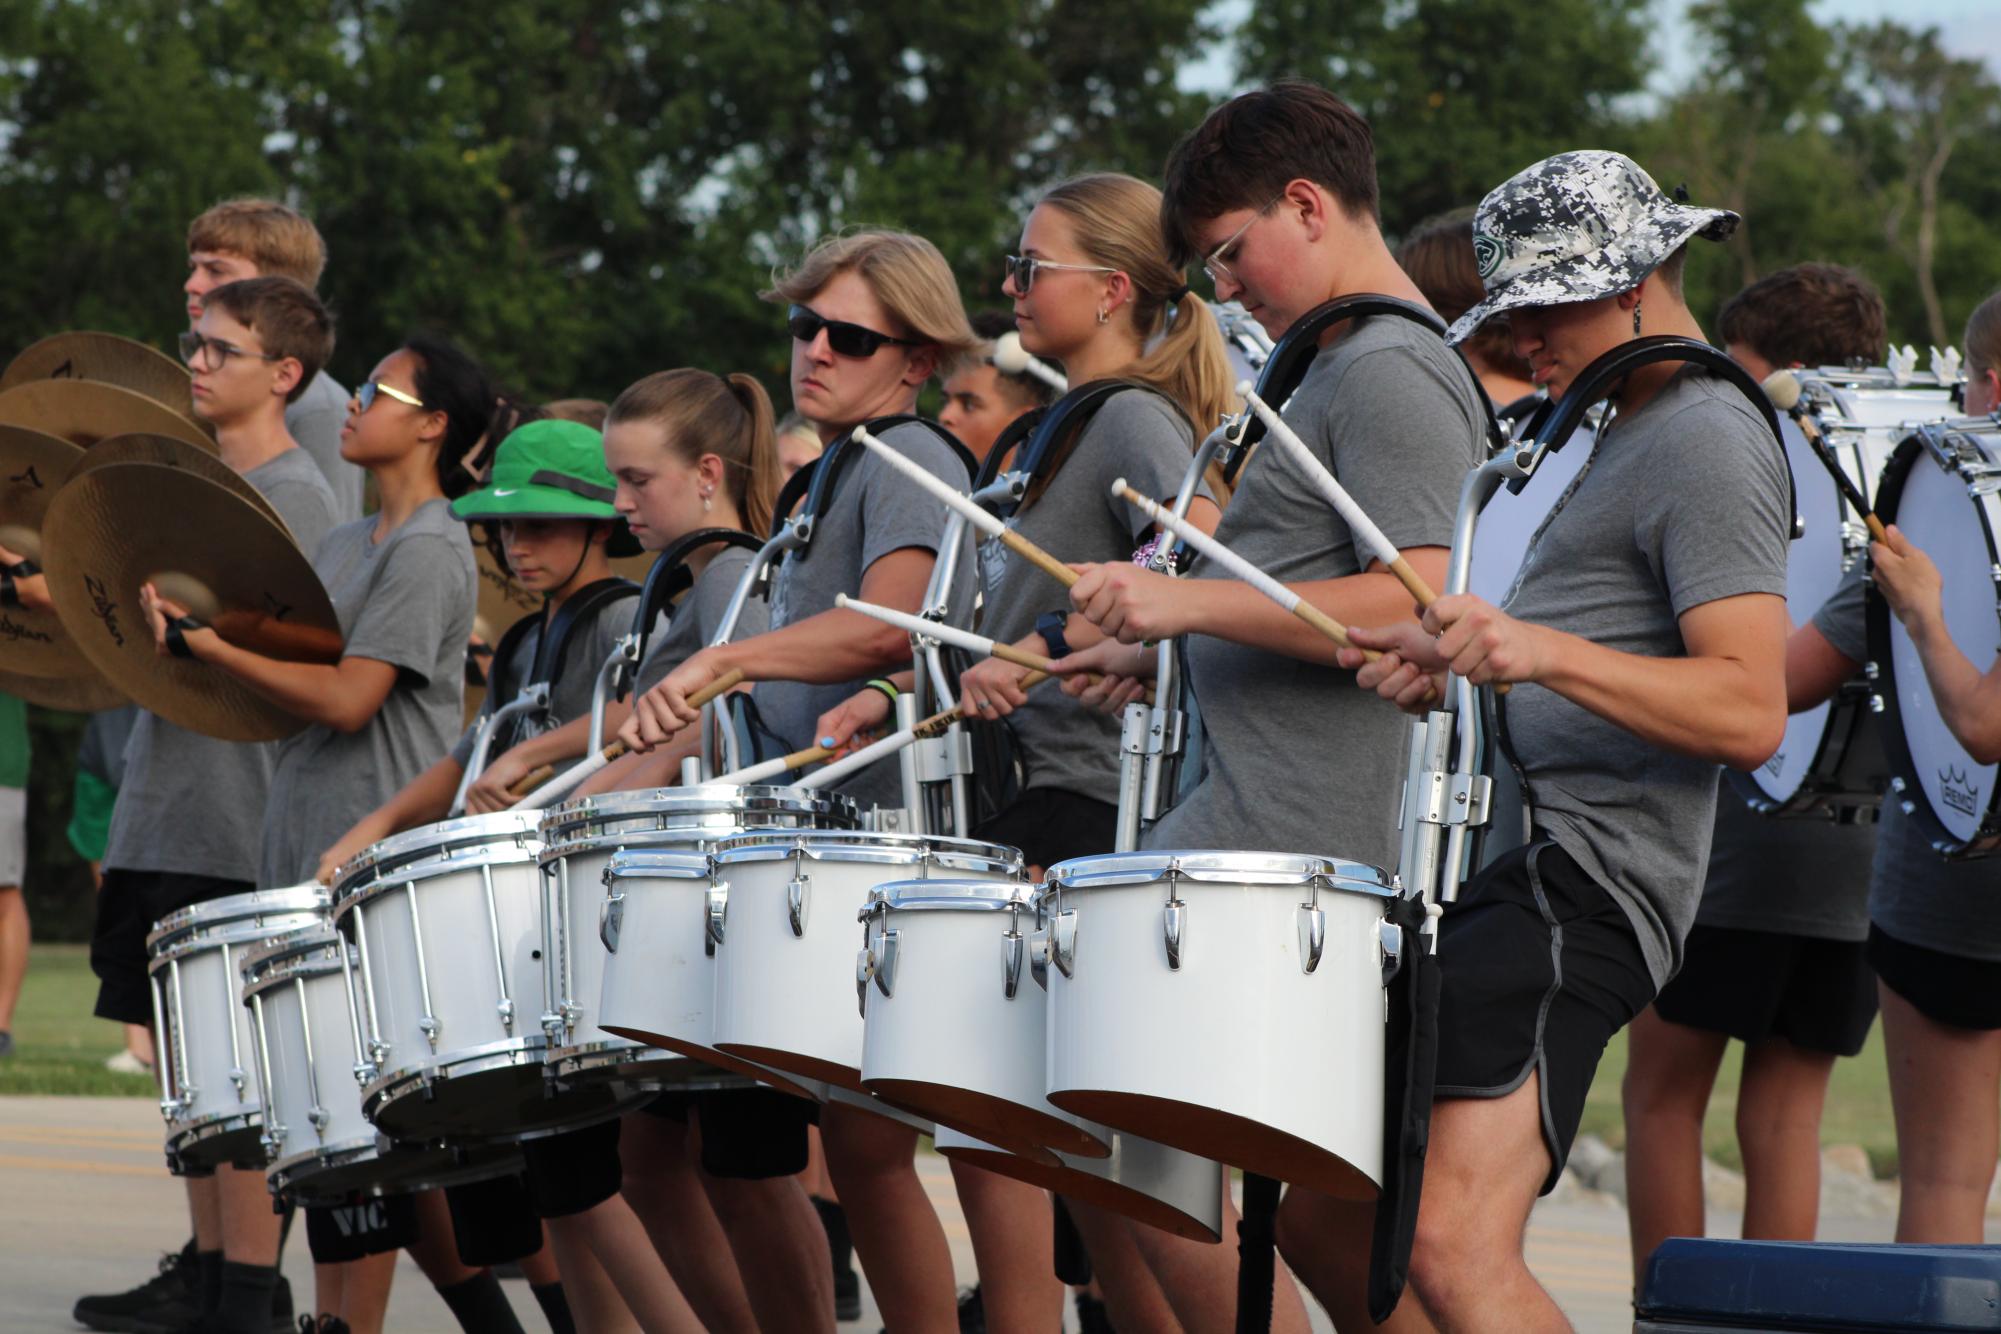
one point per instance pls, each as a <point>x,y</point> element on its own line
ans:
<point>753,1134</point>
<point>573,1171</point>
<point>1051,825</point>
<point>1944,988</point>
<point>1538,968</point>
<point>338,1233</point>
<point>493,1221</point>
<point>128,903</point>
<point>1754,985</point>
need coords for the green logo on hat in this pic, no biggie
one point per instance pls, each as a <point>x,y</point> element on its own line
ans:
<point>1488,252</point>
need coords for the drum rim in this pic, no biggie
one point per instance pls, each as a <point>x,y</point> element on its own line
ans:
<point>637,840</point>
<point>388,857</point>
<point>243,931</point>
<point>939,896</point>
<point>466,856</point>
<point>719,797</point>
<point>199,918</point>
<point>657,862</point>
<point>1927,440</point>
<point>267,954</point>
<point>760,845</point>
<point>482,1058</point>
<point>1218,866</point>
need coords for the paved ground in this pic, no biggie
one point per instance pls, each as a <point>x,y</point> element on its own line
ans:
<point>87,1207</point>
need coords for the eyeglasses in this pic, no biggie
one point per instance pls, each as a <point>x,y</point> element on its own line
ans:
<point>1213,265</point>
<point>847,340</point>
<point>1021,270</point>
<point>365,394</point>
<point>194,344</point>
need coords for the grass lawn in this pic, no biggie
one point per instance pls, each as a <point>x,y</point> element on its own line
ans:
<point>59,1046</point>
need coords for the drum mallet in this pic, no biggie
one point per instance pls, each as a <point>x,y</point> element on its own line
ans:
<point>546,786</point>
<point>975,515</point>
<point>1011,358</point>
<point>1783,388</point>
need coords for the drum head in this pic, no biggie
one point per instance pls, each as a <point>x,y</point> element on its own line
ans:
<point>1509,522</point>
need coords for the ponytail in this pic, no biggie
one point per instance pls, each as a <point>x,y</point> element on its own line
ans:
<point>1190,366</point>
<point>699,414</point>
<point>448,380</point>
<point>755,486</point>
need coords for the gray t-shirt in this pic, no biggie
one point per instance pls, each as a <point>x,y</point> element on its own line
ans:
<point>191,804</point>
<point>1683,503</point>
<point>875,511</point>
<point>694,620</point>
<point>314,420</point>
<point>1296,758</point>
<point>569,694</point>
<point>408,602</point>
<point>1915,895</point>
<point>1136,435</point>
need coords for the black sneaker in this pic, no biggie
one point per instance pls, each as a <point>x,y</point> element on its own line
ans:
<point>847,1294</point>
<point>281,1309</point>
<point>972,1312</point>
<point>162,1303</point>
<point>1092,1318</point>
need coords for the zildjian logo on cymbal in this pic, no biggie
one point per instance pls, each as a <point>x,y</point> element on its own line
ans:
<point>1957,791</point>
<point>103,608</point>
<point>12,631</point>
<point>31,477</point>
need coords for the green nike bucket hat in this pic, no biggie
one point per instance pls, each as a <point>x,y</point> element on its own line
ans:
<point>548,469</point>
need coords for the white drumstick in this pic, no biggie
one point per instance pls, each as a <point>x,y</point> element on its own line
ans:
<point>965,505</point>
<point>1337,495</point>
<point>861,759</point>
<point>944,634</point>
<point>1010,356</point>
<point>567,781</point>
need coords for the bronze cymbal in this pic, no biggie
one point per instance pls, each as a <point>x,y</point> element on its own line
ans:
<point>70,694</point>
<point>109,359</point>
<point>84,412</point>
<point>115,528</point>
<point>168,452</point>
<point>33,468</point>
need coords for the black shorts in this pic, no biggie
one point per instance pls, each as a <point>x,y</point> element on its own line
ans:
<point>493,1221</point>
<point>1051,825</point>
<point>128,903</point>
<point>338,1233</point>
<point>1755,985</point>
<point>753,1134</point>
<point>1538,968</point>
<point>1944,988</point>
<point>574,1171</point>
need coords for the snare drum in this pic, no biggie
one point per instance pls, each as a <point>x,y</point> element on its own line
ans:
<point>945,958</point>
<point>1150,1183</point>
<point>650,994</point>
<point>1227,1003</point>
<point>450,984</point>
<point>1865,413</point>
<point>1943,489</point>
<point>308,1044</point>
<point>785,954</point>
<point>203,1036</point>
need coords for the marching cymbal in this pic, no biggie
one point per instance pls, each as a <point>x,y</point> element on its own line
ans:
<point>70,694</point>
<point>33,468</point>
<point>171,453</point>
<point>84,412</point>
<point>86,355</point>
<point>114,528</point>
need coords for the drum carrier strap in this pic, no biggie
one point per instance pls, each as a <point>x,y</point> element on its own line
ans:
<point>580,609</point>
<point>670,577</point>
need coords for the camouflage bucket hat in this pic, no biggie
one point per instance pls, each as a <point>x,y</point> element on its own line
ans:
<point>1577,227</point>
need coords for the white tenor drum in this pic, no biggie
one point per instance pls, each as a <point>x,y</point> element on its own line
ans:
<point>649,993</point>
<point>945,959</point>
<point>787,934</point>
<point>448,939</point>
<point>1510,521</point>
<point>209,1095</point>
<point>1943,490</point>
<point>1228,1003</point>
<point>1177,1192</point>
<point>309,1059</point>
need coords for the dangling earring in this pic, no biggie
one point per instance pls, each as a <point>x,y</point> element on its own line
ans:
<point>1103,315</point>
<point>1636,319</point>
<point>705,502</point>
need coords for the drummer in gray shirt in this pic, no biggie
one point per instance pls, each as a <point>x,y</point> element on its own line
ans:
<point>1645,641</point>
<point>1775,958</point>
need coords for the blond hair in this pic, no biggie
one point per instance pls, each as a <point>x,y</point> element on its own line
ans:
<point>905,272</point>
<point>278,239</point>
<point>703,413</point>
<point>1116,220</point>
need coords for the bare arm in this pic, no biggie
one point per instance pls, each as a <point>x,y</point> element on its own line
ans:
<point>1969,699</point>
<point>490,791</point>
<point>424,799</point>
<point>1815,669</point>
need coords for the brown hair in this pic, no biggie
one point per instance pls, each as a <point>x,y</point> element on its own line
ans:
<point>1246,150</point>
<point>703,413</point>
<point>1983,336</point>
<point>588,411</point>
<point>286,317</point>
<point>278,239</point>
<point>905,272</point>
<point>1812,314</point>
<point>1115,219</point>
<point>1438,256</point>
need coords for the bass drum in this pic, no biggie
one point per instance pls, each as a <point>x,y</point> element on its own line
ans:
<point>1943,489</point>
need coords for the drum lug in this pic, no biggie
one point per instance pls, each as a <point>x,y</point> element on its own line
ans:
<point>1063,941</point>
<point>798,897</point>
<point>719,906</point>
<point>236,1078</point>
<point>885,965</point>
<point>1011,947</point>
<point>1389,936</point>
<point>611,916</point>
<point>506,1011</point>
<point>864,969</point>
<point>319,1116</point>
<point>1038,958</point>
<point>273,1140</point>
<point>429,1027</point>
<point>1174,920</point>
<point>1312,924</point>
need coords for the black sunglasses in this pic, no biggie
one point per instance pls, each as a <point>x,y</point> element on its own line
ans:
<point>847,340</point>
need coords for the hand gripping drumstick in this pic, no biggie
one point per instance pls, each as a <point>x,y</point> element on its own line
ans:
<point>975,515</point>
<point>1039,667</point>
<point>1337,495</point>
<point>547,787</point>
<point>1783,388</point>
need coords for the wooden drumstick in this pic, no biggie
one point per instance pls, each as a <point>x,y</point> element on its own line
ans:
<point>975,515</point>
<point>1337,495</point>
<point>1783,388</point>
<point>535,778</point>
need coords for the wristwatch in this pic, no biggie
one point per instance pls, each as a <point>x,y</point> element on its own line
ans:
<point>1050,626</point>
